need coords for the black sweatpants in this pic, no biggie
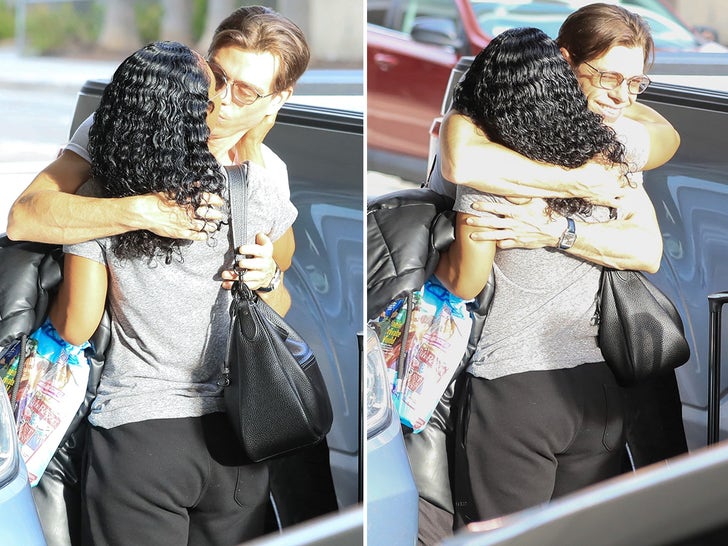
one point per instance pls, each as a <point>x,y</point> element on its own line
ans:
<point>171,482</point>
<point>534,436</point>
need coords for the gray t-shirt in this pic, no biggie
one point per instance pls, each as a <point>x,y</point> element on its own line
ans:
<point>545,299</point>
<point>170,322</point>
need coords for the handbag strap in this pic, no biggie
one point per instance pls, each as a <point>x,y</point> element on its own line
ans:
<point>237,188</point>
<point>238,195</point>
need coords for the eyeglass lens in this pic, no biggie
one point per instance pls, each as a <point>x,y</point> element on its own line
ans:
<point>611,80</point>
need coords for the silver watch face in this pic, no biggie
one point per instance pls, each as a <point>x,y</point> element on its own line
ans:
<point>567,240</point>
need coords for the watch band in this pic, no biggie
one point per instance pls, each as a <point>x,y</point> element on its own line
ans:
<point>274,282</point>
<point>568,237</point>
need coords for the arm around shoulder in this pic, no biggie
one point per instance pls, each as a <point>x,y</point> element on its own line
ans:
<point>49,211</point>
<point>469,158</point>
<point>38,213</point>
<point>664,139</point>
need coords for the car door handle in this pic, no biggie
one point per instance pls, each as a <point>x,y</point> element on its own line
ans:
<point>384,61</point>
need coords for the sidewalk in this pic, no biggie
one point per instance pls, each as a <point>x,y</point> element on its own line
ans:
<point>52,71</point>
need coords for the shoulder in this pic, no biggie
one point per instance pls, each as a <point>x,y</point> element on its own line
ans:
<point>79,141</point>
<point>275,166</point>
<point>636,139</point>
<point>466,196</point>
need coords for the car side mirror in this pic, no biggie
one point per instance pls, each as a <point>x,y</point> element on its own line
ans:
<point>436,31</point>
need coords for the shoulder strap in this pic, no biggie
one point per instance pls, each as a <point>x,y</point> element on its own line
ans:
<point>237,186</point>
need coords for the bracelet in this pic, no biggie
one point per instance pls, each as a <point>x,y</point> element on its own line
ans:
<point>274,282</point>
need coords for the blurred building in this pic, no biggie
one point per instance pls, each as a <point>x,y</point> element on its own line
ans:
<point>335,30</point>
<point>710,14</point>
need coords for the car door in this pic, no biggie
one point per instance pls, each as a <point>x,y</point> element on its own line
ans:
<point>323,151</point>
<point>690,194</point>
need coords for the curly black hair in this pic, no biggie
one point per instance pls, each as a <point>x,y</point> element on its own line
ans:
<point>150,135</point>
<point>523,94</point>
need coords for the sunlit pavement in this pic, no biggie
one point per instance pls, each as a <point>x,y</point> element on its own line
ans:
<point>380,183</point>
<point>50,71</point>
<point>22,157</point>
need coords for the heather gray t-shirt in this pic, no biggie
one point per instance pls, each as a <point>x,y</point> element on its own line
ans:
<point>169,322</point>
<point>545,299</point>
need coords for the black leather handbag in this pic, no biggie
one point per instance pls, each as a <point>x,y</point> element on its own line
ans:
<point>641,333</point>
<point>275,395</point>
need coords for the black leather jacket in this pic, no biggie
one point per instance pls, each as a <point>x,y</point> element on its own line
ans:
<point>29,274</point>
<point>406,232</point>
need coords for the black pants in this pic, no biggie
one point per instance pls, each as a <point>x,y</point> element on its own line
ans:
<point>534,436</point>
<point>171,482</point>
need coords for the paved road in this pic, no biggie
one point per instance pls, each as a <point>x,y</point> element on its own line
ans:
<point>37,97</point>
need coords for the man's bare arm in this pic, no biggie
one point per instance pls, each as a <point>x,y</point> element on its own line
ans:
<point>664,139</point>
<point>469,158</point>
<point>49,211</point>
<point>633,241</point>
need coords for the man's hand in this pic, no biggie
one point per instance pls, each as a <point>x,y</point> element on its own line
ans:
<point>513,225</point>
<point>258,265</point>
<point>249,147</point>
<point>601,184</point>
<point>164,217</point>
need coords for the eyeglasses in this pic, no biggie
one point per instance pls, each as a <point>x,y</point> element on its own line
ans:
<point>612,80</point>
<point>242,93</point>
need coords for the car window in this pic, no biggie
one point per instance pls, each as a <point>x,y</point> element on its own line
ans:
<point>495,17</point>
<point>442,9</point>
<point>401,15</point>
<point>377,12</point>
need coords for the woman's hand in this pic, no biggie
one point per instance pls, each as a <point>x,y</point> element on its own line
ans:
<point>258,265</point>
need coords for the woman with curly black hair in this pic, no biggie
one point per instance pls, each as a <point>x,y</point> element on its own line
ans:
<point>162,464</point>
<point>149,135</point>
<point>543,416</point>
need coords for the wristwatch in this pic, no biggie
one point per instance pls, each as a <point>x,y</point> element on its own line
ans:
<point>568,237</point>
<point>274,282</point>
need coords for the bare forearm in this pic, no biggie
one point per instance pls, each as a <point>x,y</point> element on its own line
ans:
<point>465,267</point>
<point>633,241</point>
<point>495,169</point>
<point>618,244</point>
<point>467,157</point>
<point>664,139</point>
<point>50,216</point>
<point>279,299</point>
<point>49,210</point>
